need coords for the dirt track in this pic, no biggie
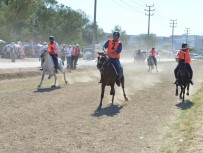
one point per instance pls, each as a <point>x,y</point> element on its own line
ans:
<point>64,119</point>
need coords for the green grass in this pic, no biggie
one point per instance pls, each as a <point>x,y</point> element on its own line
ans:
<point>183,130</point>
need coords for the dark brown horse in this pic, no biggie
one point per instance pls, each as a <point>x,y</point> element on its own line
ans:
<point>183,80</point>
<point>108,76</point>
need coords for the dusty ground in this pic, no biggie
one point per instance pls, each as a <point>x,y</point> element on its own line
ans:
<point>65,120</point>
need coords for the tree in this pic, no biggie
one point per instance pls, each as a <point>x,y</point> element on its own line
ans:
<point>143,39</point>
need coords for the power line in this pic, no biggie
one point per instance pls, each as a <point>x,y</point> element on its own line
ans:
<point>149,14</point>
<point>172,25</point>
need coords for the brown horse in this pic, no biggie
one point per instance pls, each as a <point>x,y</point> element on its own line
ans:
<point>108,76</point>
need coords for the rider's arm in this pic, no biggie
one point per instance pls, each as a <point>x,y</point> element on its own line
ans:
<point>119,48</point>
<point>105,45</point>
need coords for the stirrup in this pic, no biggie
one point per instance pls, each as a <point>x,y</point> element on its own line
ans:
<point>176,82</point>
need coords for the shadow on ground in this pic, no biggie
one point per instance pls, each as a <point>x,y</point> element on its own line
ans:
<point>187,104</point>
<point>42,90</point>
<point>110,110</point>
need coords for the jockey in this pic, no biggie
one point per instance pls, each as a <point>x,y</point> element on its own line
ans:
<point>113,47</point>
<point>184,54</point>
<point>52,49</point>
<point>153,53</point>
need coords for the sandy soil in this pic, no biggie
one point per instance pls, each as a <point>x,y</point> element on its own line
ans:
<point>65,120</point>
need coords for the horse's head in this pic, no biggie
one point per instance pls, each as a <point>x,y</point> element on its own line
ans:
<point>43,53</point>
<point>102,60</point>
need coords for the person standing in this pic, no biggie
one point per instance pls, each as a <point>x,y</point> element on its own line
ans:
<point>63,52</point>
<point>72,57</point>
<point>68,56</point>
<point>76,53</point>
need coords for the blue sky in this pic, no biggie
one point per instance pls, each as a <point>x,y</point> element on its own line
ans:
<point>130,15</point>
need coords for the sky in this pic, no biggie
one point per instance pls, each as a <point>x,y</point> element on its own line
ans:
<point>131,16</point>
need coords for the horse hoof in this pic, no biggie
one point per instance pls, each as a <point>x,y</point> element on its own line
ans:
<point>53,86</point>
<point>176,94</point>
<point>126,99</point>
<point>99,108</point>
<point>66,82</point>
<point>187,94</point>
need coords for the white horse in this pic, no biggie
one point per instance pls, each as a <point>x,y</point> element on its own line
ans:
<point>48,66</point>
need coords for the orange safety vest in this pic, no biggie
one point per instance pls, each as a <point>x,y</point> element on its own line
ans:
<point>184,55</point>
<point>112,47</point>
<point>52,48</point>
<point>153,52</point>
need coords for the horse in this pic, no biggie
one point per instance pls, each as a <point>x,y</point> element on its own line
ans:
<point>108,76</point>
<point>183,80</point>
<point>151,63</point>
<point>48,66</point>
<point>139,57</point>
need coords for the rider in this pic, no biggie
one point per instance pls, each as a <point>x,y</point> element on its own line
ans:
<point>184,54</point>
<point>52,49</point>
<point>113,47</point>
<point>153,53</point>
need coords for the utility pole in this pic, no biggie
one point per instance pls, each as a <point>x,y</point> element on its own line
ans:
<point>187,32</point>
<point>149,14</point>
<point>94,28</point>
<point>173,25</point>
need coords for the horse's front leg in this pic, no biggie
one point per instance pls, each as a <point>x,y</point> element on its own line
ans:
<point>181,93</point>
<point>64,76</point>
<point>102,96</point>
<point>122,84</point>
<point>43,73</point>
<point>188,87</point>
<point>183,98</point>
<point>176,90</point>
<point>112,93</point>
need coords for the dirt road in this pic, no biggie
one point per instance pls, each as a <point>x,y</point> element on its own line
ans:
<point>65,120</point>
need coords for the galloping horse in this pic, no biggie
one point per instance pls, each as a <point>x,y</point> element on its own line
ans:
<point>108,76</point>
<point>48,66</point>
<point>151,64</point>
<point>183,80</point>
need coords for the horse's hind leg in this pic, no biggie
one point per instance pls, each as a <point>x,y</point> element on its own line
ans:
<point>102,96</point>
<point>122,84</point>
<point>55,78</point>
